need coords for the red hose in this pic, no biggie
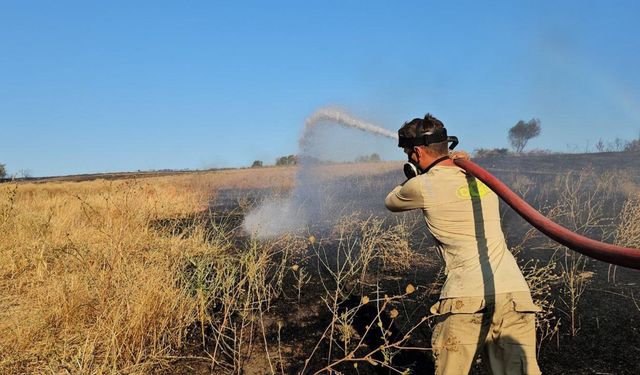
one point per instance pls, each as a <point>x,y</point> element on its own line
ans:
<point>621,256</point>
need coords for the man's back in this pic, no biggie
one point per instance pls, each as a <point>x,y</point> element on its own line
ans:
<point>463,216</point>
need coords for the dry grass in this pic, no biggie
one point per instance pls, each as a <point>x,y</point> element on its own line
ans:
<point>365,250</point>
<point>628,232</point>
<point>86,285</point>
<point>90,282</point>
<point>587,203</point>
<point>583,203</point>
<point>89,287</point>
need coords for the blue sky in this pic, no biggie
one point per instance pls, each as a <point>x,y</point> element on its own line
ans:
<point>121,86</point>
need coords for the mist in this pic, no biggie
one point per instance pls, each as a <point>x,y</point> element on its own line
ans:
<point>329,135</point>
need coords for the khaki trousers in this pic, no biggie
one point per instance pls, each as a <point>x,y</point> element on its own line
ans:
<point>500,328</point>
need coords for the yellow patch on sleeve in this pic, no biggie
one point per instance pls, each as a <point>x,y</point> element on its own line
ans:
<point>477,190</point>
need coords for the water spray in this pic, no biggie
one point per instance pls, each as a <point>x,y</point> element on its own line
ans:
<point>340,117</point>
<point>306,203</point>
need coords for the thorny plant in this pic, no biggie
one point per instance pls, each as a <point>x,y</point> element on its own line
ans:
<point>346,267</point>
<point>341,333</point>
<point>360,244</point>
<point>301,278</point>
<point>628,231</point>
<point>397,254</point>
<point>583,202</point>
<point>581,207</point>
<point>234,294</point>
<point>540,276</point>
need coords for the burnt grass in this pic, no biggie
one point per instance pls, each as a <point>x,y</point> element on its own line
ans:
<point>608,339</point>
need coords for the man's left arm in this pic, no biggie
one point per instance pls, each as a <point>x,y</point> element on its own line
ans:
<point>405,197</point>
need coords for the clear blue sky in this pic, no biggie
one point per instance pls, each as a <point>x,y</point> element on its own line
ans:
<point>91,86</point>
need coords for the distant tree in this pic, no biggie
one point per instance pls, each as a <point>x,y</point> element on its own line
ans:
<point>618,144</point>
<point>633,146</point>
<point>3,171</point>
<point>600,146</point>
<point>522,132</point>
<point>256,164</point>
<point>287,160</point>
<point>373,158</point>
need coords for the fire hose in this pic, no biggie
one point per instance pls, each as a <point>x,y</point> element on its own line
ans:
<point>618,255</point>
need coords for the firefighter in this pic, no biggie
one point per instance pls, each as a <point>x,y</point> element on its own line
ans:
<point>485,306</point>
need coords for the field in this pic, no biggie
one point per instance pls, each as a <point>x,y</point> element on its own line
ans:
<point>154,274</point>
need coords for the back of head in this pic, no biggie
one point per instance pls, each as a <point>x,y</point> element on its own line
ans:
<point>420,126</point>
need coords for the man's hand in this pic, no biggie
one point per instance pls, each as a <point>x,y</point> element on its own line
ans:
<point>459,155</point>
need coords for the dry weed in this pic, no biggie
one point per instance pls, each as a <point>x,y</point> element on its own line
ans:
<point>628,231</point>
<point>87,286</point>
<point>582,207</point>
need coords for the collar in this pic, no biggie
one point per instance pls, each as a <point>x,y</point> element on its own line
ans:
<point>435,162</point>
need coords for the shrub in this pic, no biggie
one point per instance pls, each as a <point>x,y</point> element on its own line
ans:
<point>287,160</point>
<point>488,152</point>
<point>633,146</point>
<point>368,158</point>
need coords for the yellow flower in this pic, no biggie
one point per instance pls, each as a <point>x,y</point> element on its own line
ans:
<point>312,239</point>
<point>364,300</point>
<point>295,268</point>
<point>410,289</point>
<point>394,314</point>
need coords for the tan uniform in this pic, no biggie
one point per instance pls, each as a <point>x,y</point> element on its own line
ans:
<point>485,304</point>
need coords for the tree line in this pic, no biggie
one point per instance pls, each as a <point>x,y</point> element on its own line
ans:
<point>294,160</point>
<point>523,131</point>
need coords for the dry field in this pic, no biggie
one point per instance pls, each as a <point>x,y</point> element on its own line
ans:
<point>154,275</point>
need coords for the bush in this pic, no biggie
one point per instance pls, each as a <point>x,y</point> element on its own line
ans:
<point>256,164</point>
<point>373,158</point>
<point>3,171</point>
<point>287,160</point>
<point>539,151</point>
<point>488,152</point>
<point>632,146</point>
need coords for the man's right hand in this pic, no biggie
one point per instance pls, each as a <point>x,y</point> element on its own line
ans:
<point>460,155</point>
